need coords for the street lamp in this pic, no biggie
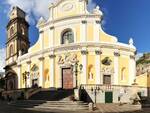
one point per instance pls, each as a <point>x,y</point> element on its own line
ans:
<point>25,77</point>
<point>95,90</point>
<point>76,71</point>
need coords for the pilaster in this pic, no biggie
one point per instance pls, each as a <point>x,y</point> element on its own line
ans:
<point>98,66</point>
<point>116,67</point>
<point>132,69</point>
<point>83,32</point>
<point>29,77</point>
<point>19,76</point>
<point>52,70</point>
<point>41,79</point>
<point>84,54</point>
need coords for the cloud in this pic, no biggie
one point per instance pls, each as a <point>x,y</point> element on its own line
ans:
<point>137,57</point>
<point>91,5</point>
<point>36,8</point>
<point>2,59</point>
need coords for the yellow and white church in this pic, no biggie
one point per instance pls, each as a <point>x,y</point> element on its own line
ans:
<point>72,51</point>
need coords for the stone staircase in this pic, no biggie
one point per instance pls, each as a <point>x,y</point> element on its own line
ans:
<point>52,100</point>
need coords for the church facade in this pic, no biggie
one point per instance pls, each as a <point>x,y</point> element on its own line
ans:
<point>72,50</point>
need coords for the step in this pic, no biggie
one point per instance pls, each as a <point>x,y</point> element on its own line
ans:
<point>62,108</point>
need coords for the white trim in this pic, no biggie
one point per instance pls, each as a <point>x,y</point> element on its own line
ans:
<point>119,46</point>
<point>29,77</point>
<point>84,73</point>
<point>132,71</point>
<point>96,32</point>
<point>52,72</point>
<point>98,69</point>
<point>19,76</point>
<point>41,79</point>
<point>116,70</point>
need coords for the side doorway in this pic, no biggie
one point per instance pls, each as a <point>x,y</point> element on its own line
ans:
<point>108,97</point>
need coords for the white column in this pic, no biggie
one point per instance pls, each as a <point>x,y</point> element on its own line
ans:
<point>97,31</point>
<point>116,68</point>
<point>52,70</point>
<point>83,31</point>
<point>84,53</point>
<point>41,40</point>
<point>132,69</point>
<point>51,36</point>
<point>98,66</point>
<point>19,76</point>
<point>41,79</point>
<point>29,76</point>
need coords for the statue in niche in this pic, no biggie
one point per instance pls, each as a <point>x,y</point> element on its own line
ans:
<point>90,73</point>
<point>46,71</point>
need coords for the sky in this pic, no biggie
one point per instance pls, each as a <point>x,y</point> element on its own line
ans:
<point>124,19</point>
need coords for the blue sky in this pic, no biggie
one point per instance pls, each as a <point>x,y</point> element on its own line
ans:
<point>122,18</point>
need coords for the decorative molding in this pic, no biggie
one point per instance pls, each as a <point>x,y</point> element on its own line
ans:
<point>41,58</point>
<point>98,22</point>
<point>132,57</point>
<point>52,56</point>
<point>84,52</point>
<point>77,46</point>
<point>29,62</point>
<point>19,65</point>
<point>84,21</point>
<point>98,52</point>
<point>41,31</point>
<point>117,54</point>
<point>51,28</point>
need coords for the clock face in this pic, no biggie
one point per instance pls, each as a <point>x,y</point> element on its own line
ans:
<point>67,7</point>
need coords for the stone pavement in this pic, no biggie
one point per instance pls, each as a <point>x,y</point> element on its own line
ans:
<point>5,108</point>
<point>116,108</point>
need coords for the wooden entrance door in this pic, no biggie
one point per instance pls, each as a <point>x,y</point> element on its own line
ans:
<point>67,78</point>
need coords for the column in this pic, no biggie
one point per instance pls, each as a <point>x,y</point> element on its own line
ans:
<point>41,40</point>
<point>41,79</point>
<point>97,31</point>
<point>98,66</point>
<point>29,76</point>
<point>19,76</point>
<point>132,69</point>
<point>84,53</point>
<point>51,37</point>
<point>116,67</point>
<point>83,33</point>
<point>52,70</point>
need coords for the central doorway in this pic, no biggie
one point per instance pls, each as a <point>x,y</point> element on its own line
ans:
<point>67,81</point>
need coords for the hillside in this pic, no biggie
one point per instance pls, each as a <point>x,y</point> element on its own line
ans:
<point>143,64</point>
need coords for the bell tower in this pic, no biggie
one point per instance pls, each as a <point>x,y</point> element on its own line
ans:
<point>17,35</point>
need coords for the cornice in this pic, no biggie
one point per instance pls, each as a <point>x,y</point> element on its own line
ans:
<point>80,16</point>
<point>77,46</point>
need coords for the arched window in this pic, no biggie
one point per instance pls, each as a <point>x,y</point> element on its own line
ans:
<point>123,73</point>
<point>11,31</point>
<point>67,37</point>
<point>11,50</point>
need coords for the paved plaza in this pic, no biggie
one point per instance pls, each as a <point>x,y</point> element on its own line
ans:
<point>5,108</point>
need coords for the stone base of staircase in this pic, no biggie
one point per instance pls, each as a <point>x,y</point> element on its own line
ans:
<point>51,105</point>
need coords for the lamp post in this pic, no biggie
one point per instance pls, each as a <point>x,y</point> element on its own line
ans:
<point>95,90</point>
<point>76,71</point>
<point>25,77</point>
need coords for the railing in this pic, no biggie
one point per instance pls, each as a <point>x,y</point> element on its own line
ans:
<point>107,87</point>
